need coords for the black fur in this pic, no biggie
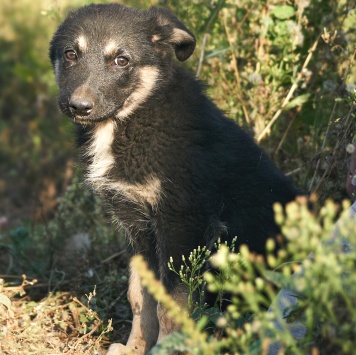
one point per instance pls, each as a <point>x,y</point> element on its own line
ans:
<point>215,181</point>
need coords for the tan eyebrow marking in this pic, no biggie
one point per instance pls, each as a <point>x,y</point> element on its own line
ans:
<point>82,43</point>
<point>110,48</point>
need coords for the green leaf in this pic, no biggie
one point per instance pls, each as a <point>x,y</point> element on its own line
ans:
<point>281,280</point>
<point>283,12</point>
<point>83,318</point>
<point>19,233</point>
<point>219,52</point>
<point>171,343</point>
<point>298,101</point>
<point>255,348</point>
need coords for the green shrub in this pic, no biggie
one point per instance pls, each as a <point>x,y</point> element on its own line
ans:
<point>323,285</point>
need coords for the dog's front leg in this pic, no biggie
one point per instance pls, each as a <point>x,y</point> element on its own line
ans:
<point>176,237</point>
<point>167,325</point>
<point>145,326</point>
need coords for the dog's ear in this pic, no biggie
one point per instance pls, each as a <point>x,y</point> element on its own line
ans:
<point>170,29</point>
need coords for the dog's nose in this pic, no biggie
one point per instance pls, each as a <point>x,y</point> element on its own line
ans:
<point>81,106</point>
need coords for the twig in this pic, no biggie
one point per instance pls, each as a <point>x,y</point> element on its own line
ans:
<point>236,69</point>
<point>117,299</point>
<point>247,14</point>
<point>111,257</point>
<point>95,328</point>
<point>6,276</point>
<point>338,144</point>
<point>290,93</point>
<point>327,131</point>
<point>37,285</point>
<point>287,130</point>
<point>323,146</point>
<point>75,299</point>
<point>293,172</point>
<point>207,26</point>
<point>201,57</point>
<point>51,277</point>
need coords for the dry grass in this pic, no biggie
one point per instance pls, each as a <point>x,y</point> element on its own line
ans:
<point>59,324</point>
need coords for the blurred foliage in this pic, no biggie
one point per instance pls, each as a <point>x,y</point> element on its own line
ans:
<point>284,70</point>
<point>251,55</point>
<point>323,289</point>
<point>254,53</point>
<point>78,250</point>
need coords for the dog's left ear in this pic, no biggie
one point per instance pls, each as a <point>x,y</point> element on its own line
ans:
<point>170,29</point>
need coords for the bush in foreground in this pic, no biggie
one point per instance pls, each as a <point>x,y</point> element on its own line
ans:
<point>321,306</point>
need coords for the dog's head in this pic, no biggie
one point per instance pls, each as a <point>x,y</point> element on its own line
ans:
<point>109,59</point>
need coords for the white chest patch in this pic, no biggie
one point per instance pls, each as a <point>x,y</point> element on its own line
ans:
<point>103,161</point>
<point>100,152</point>
<point>150,191</point>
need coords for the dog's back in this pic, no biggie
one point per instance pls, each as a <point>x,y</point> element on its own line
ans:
<point>175,171</point>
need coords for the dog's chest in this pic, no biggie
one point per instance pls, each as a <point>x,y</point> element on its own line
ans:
<point>102,171</point>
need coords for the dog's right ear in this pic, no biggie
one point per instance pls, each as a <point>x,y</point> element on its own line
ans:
<point>170,30</point>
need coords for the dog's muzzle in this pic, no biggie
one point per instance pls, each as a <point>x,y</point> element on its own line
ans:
<point>81,106</point>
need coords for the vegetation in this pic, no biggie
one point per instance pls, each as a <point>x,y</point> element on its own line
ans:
<point>323,287</point>
<point>285,71</point>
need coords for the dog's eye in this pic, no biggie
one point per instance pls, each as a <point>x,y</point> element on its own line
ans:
<point>121,61</point>
<point>70,55</point>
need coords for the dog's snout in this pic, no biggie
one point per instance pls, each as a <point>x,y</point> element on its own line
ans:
<point>81,106</point>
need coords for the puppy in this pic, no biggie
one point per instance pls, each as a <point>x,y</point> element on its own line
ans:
<point>174,170</point>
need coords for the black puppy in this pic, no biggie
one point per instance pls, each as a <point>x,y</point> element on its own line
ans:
<point>175,171</point>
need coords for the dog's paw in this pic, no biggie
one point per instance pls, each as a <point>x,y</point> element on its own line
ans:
<point>120,349</point>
